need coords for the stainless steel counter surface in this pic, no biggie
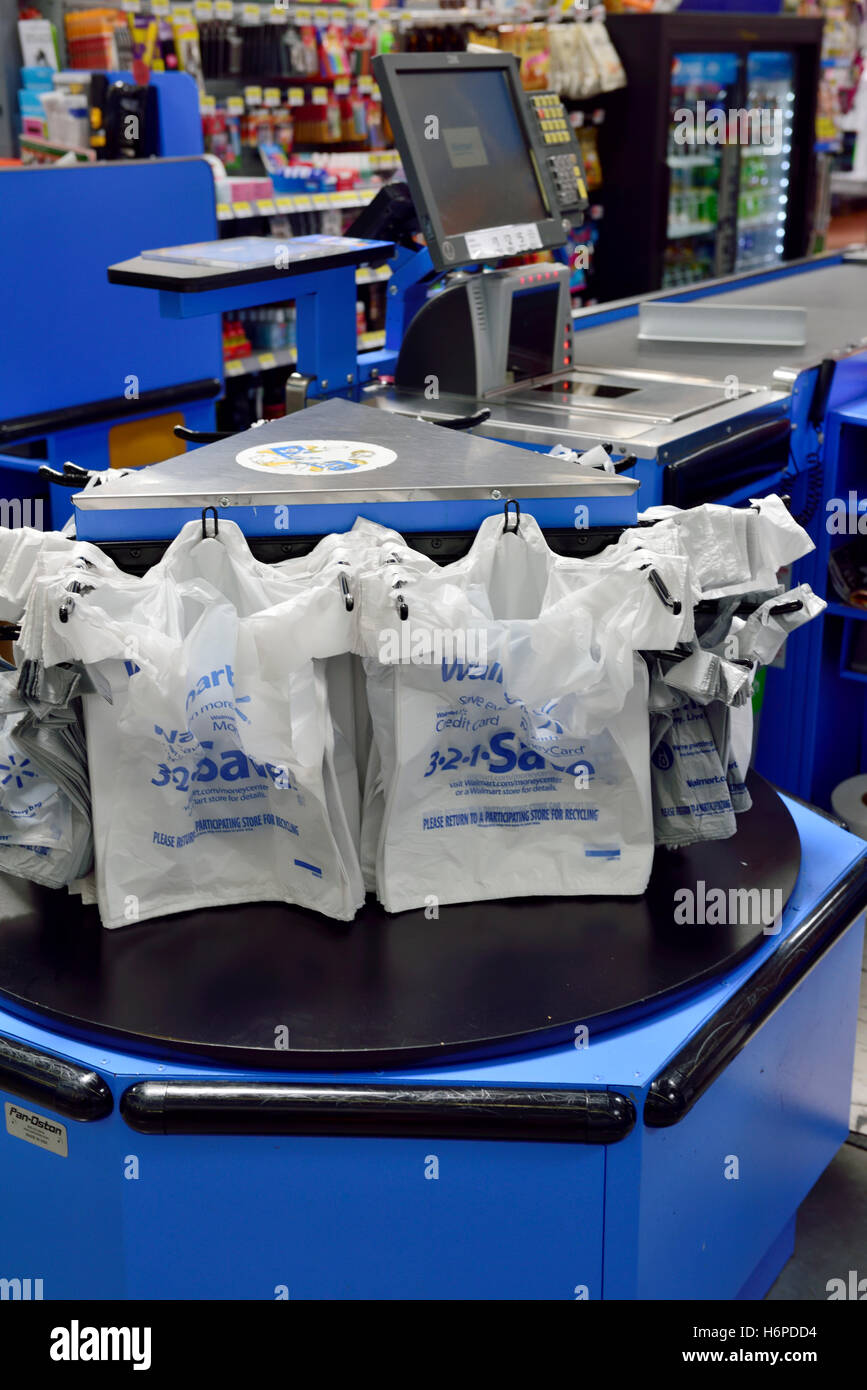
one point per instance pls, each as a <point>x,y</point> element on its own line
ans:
<point>834,295</point>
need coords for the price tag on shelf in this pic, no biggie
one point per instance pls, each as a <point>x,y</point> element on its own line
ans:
<point>319,96</point>
<point>360,16</point>
<point>253,96</point>
<point>207,104</point>
<point>272,96</point>
<point>266,206</point>
<point>303,17</point>
<point>277,14</point>
<point>266,360</point>
<point>235,106</point>
<point>160,7</point>
<point>321,200</point>
<point>321,16</point>
<point>285,204</point>
<point>224,212</point>
<point>224,9</point>
<point>295,96</point>
<point>203,9</point>
<point>182,14</point>
<point>303,202</point>
<point>234,367</point>
<point>341,86</point>
<point>129,6</point>
<point>365,84</point>
<point>242,210</point>
<point>336,199</point>
<point>251,14</point>
<point>375,94</point>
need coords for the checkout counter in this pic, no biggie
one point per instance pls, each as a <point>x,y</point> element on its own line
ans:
<point>524,1099</point>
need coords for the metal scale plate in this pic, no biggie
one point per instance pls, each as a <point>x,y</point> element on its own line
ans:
<point>654,397</point>
<point>437,479</point>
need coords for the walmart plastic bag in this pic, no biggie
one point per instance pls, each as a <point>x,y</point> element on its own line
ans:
<point>212,768</point>
<point>510,717</point>
<point>731,550</point>
<point>45,832</point>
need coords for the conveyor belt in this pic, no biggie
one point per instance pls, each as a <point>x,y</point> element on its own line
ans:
<point>834,296</point>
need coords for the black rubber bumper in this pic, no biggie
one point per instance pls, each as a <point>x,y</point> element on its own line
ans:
<point>70,1090</point>
<point>686,1078</point>
<point>392,1112</point>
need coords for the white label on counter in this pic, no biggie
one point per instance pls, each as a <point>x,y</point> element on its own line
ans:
<point>312,456</point>
<point>503,241</point>
<point>36,1129</point>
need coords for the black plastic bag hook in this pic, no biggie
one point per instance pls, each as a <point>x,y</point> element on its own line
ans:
<point>511,502</point>
<point>205,511</point>
<point>347,593</point>
<point>663,594</point>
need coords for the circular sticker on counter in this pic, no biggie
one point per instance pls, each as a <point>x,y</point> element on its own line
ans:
<point>312,456</point>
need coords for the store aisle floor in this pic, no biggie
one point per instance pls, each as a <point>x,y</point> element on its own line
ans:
<point>832,1231</point>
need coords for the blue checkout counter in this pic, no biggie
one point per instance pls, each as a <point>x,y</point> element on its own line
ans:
<point>663,1157</point>
<point>436,1126</point>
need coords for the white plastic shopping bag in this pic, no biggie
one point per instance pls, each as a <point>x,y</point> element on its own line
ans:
<point>510,716</point>
<point>45,833</point>
<point>212,767</point>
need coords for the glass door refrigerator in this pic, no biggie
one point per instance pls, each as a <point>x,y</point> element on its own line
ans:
<point>764,186</point>
<point>708,153</point>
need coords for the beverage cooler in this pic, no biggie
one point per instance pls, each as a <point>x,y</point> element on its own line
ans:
<point>681,204</point>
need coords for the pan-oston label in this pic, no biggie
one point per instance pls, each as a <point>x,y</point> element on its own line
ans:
<point>316,456</point>
<point>36,1129</point>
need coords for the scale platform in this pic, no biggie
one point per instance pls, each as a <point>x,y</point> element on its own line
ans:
<point>314,472</point>
<point>485,979</point>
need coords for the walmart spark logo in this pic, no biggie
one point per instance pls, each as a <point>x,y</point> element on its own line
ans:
<point>12,769</point>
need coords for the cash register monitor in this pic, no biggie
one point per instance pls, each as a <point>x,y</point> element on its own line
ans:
<point>483,192</point>
<point>466,140</point>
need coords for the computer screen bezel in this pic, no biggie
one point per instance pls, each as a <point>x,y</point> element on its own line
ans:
<point>450,252</point>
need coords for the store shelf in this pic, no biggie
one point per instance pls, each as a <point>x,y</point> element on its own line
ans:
<point>690,229</point>
<point>56,149</point>
<point>368,275</point>
<point>768,219</point>
<point>691,161</point>
<point>847,182</point>
<point>297,202</point>
<point>259,362</point>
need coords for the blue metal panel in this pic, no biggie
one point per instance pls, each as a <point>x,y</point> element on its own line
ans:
<point>61,228</point>
<point>356,1218</point>
<point>61,1218</point>
<point>180,120</point>
<point>408,517</point>
<point>780,1111</point>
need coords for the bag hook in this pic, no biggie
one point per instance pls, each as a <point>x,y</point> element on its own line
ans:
<point>205,511</point>
<point>511,502</point>
<point>347,594</point>
<point>662,592</point>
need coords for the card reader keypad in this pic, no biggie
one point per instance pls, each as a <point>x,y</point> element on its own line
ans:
<point>562,152</point>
